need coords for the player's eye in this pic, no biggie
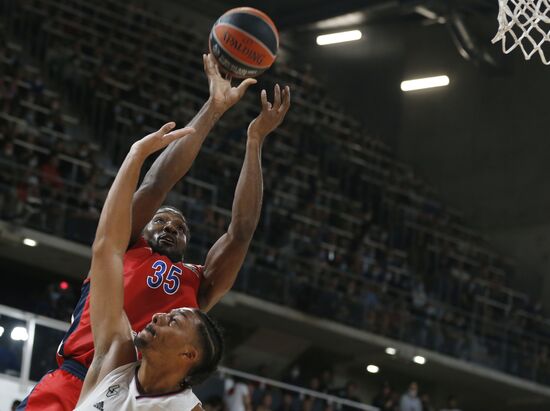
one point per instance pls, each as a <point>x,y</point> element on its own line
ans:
<point>159,220</point>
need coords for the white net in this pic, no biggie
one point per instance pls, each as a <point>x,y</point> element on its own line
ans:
<point>525,24</point>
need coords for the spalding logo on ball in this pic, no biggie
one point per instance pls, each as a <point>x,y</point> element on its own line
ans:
<point>244,41</point>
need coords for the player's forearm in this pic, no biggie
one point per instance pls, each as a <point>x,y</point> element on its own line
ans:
<point>247,204</point>
<point>114,225</point>
<point>111,240</point>
<point>176,160</point>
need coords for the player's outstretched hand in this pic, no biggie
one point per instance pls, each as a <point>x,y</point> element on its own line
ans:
<point>222,95</point>
<point>272,115</point>
<point>160,139</point>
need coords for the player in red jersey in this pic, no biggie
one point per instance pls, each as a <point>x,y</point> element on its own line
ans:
<point>179,349</point>
<point>155,277</point>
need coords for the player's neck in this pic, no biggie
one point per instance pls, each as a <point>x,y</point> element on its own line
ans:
<point>154,379</point>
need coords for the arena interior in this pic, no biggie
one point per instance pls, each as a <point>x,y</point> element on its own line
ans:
<point>404,236</point>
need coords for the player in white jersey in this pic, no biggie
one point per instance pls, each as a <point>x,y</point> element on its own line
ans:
<point>179,348</point>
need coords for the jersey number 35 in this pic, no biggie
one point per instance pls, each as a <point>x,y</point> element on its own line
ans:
<point>168,278</point>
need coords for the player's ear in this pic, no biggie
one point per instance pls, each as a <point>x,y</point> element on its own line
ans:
<point>189,353</point>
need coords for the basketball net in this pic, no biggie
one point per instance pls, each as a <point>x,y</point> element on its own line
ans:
<point>524,23</point>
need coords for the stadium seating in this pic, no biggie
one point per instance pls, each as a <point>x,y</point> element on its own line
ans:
<point>348,232</point>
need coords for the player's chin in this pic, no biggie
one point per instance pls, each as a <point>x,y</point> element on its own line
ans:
<point>164,248</point>
<point>142,339</point>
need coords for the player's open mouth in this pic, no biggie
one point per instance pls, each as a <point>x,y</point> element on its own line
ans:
<point>167,239</point>
<point>150,329</point>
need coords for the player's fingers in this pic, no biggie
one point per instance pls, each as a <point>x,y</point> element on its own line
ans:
<point>277,97</point>
<point>286,100</point>
<point>287,89</point>
<point>211,65</point>
<point>179,133</point>
<point>166,128</point>
<point>263,97</point>
<point>245,84</point>
<point>214,65</point>
<point>205,64</point>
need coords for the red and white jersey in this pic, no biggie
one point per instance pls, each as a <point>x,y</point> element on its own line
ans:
<point>152,284</point>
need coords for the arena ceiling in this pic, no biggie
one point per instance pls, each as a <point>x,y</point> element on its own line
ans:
<point>303,14</point>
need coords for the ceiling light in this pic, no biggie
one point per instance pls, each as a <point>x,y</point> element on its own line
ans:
<point>19,334</point>
<point>346,20</point>
<point>30,242</point>
<point>340,37</point>
<point>1,331</point>
<point>419,359</point>
<point>423,83</point>
<point>373,369</point>
<point>391,351</point>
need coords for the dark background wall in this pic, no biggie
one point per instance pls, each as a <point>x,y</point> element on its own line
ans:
<point>482,142</point>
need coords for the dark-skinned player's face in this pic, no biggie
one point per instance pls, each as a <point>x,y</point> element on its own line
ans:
<point>173,335</point>
<point>167,233</point>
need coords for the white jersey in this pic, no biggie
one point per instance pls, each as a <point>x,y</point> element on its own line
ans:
<point>234,395</point>
<point>118,391</point>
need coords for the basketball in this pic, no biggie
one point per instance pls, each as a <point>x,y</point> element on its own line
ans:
<point>244,41</point>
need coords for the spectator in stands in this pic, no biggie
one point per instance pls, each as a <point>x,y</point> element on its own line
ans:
<point>214,403</point>
<point>409,400</point>
<point>426,403</point>
<point>385,399</point>
<point>326,383</point>
<point>266,403</point>
<point>51,177</point>
<point>294,376</point>
<point>236,396</point>
<point>307,404</point>
<point>314,384</point>
<point>349,392</point>
<point>419,297</point>
<point>7,175</point>
<point>29,200</point>
<point>452,404</point>
<point>287,402</point>
<point>369,298</point>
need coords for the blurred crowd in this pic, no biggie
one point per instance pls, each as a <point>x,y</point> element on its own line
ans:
<point>234,394</point>
<point>348,232</point>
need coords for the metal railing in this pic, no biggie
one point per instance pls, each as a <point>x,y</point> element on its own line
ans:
<point>299,391</point>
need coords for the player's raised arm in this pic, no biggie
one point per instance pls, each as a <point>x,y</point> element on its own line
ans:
<point>109,324</point>
<point>226,257</point>
<point>176,160</point>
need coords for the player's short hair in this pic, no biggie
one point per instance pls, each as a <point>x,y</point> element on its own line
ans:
<point>175,210</point>
<point>213,346</point>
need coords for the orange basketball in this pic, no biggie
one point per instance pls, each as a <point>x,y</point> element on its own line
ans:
<point>244,42</point>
